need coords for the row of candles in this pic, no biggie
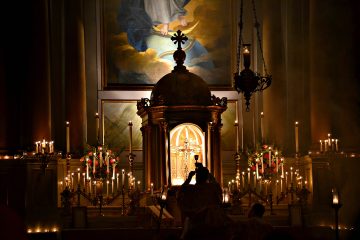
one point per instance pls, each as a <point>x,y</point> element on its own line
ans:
<point>259,184</point>
<point>329,144</point>
<point>113,185</point>
<point>44,146</point>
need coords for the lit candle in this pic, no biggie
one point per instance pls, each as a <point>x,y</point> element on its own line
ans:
<point>87,168</point>
<point>117,181</point>
<point>67,137</point>
<point>257,168</point>
<point>94,160</point>
<point>95,188</point>
<point>282,167</point>
<point>270,160</point>
<point>237,135</point>
<point>43,146</point>
<point>277,162</point>
<point>107,188</point>
<point>321,146</point>
<point>139,184</point>
<point>122,178</point>
<point>246,54</point>
<point>286,179</point>
<point>326,145</point>
<point>336,145</point>
<point>112,186</point>
<point>97,126</point>
<point>296,137</point>
<point>262,164</point>
<point>276,188</point>
<point>329,140</point>
<point>262,126</point>
<point>113,170</point>
<point>291,174</point>
<point>107,163</point>
<point>90,188</point>
<point>100,156</point>
<point>243,179</point>
<point>281,184</point>
<point>333,144</point>
<point>248,176</point>
<point>151,189</point>
<point>83,174</point>
<point>36,147</point>
<point>78,176</point>
<point>335,198</point>
<point>130,135</point>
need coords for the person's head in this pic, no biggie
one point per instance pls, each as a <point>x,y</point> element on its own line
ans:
<point>256,210</point>
<point>202,174</point>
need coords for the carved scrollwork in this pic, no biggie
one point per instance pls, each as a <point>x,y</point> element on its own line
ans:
<point>219,101</point>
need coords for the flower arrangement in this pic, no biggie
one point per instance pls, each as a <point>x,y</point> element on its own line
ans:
<point>266,161</point>
<point>99,162</point>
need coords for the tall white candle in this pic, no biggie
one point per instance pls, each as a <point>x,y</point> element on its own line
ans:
<point>122,178</point>
<point>87,168</point>
<point>336,145</point>
<point>321,146</point>
<point>107,163</point>
<point>107,188</point>
<point>243,179</point>
<point>281,184</point>
<point>151,189</point>
<point>130,136</point>
<point>67,137</point>
<point>113,171</point>
<point>296,137</point>
<point>262,165</point>
<point>36,147</point>
<point>117,181</point>
<point>282,167</point>
<point>94,160</point>
<point>97,126</point>
<point>257,168</point>
<point>270,159</point>
<point>237,135</point>
<point>248,176</point>
<point>262,126</point>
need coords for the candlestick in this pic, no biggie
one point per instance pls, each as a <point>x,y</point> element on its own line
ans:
<point>296,137</point>
<point>262,126</point>
<point>67,137</point>
<point>237,135</point>
<point>113,170</point>
<point>100,157</point>
<point>130,135</point>
<point>83,174</point>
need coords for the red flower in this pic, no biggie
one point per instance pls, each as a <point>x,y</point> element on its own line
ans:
<point>81,159</point>
<point>112,161</point>
<point>266,155</point>
<point>90,153</point>
<point>89,161</point>
<point>265,146</point>
<point>253,168</point>
<point>96,163</point>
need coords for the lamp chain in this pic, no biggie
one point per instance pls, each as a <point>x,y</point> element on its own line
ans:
<point>257,26</point>
<point>240,39</point>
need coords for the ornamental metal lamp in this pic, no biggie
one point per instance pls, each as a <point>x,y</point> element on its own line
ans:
<point>247,81</point>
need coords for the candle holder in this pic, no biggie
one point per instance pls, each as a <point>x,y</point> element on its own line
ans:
<point>336,205</point>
